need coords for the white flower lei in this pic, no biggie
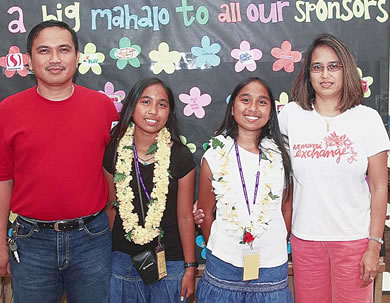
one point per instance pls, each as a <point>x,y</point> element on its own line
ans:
<point>266,203</point>
<point>136,233</point>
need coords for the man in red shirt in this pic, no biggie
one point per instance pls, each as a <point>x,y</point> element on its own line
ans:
<point>52,141</point>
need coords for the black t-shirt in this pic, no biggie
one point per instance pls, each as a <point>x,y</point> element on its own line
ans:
<point>181,163</point>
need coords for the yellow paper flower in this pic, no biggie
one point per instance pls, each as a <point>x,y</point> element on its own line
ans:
<point>366,82</point>
<point>90,59</point>
<point>165,60</point>
<point>283,100</point>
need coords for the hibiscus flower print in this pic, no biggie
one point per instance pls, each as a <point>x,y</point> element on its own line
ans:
<point>246,57</point>
<point>195,102</point>
<point>14,62</point>
<point>286,57</point>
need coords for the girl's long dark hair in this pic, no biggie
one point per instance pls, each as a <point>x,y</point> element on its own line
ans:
<point>126,116</point>
<point>270,130</point>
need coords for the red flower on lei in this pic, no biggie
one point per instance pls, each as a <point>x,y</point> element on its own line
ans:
<point>248,238</point>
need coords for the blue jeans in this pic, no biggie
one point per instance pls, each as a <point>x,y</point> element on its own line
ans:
<point>77,262</point>
<point>127,286</point>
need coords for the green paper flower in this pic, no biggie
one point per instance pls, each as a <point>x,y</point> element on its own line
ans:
<point>126,53</point>
<point>90,59</point>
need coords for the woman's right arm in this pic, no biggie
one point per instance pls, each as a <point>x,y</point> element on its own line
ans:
<point>110,209</point>
<point>206,198</point>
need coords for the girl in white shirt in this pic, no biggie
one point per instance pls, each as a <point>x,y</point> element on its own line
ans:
<point>244,175</point>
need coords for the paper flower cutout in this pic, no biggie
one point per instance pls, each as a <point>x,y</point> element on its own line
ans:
<point>200,242</point>
<point>190,146</point>
<point>246,57</point>
<point>116,97</point>
<point>206,53</point>
<point>126,53</point>
<point>228,99</point>
<point>286,57</point>
<point>14,62</point>
<point>90,59</point>
<point>195,102</point>
<point>366,82</point>
<point>283,100</point>
<point>205,146</point>
<point>164,59</point>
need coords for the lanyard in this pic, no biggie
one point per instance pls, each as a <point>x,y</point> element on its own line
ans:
<point>243,180</point>
<point>139,172</point>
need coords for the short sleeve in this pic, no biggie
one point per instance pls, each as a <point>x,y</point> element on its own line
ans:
<point>182,161</point>
<point>6,159</point>
<point>109,159</point>
<point>377,138</point>
<point>282,119</point>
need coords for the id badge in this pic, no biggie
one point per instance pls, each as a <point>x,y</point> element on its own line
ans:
<point>161,264</point>
<point>251,264</point>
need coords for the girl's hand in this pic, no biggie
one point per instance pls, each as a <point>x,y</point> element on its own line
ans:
<point>198,214</point>
<point>188,283</point>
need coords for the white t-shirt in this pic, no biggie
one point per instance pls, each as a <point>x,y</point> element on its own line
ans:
<point>225,235</point>
<point>331,199</point>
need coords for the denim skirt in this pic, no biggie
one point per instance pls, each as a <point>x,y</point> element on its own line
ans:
<point>222,282</point>
<point>128,287</point>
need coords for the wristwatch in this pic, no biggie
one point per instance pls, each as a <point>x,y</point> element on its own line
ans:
<point>379,240</point>
<point>192,264</point>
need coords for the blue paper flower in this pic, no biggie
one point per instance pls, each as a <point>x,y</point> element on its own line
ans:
<point>206,53</point>
<point>202,244</point>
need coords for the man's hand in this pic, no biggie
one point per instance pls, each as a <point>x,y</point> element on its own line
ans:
<point>4,260</point>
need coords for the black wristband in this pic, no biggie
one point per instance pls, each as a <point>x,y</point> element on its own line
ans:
<point>193,264</point>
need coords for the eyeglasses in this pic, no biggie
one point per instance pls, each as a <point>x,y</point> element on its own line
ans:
<point>333,67</point>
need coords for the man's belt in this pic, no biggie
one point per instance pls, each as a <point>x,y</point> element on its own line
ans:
<point>62,225</point>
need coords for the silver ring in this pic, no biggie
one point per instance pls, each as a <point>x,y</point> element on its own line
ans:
<point>372,278</point>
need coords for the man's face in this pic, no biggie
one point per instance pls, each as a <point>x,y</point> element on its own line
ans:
<point>53,58</point>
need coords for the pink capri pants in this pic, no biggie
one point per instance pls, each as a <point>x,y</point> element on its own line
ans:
<point>329,271</point>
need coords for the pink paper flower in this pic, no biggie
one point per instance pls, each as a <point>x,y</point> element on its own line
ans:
<point>246,57</point>
<point>286,57</point>
<point>195,102</point>
<point>14,62</point>
<point>116,97</point>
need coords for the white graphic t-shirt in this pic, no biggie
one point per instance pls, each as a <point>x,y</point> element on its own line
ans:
<point>329,156</point>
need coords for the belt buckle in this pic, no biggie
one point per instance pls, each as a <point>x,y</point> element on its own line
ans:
<point>56,225</point>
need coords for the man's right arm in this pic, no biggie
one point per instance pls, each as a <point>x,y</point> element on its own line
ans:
<point>5,199</point>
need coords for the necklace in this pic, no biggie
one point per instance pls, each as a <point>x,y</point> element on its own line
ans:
<point>145,161</point>
<point>327,120</point>
<point>125,195</point>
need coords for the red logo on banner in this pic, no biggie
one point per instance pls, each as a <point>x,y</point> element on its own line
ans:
<point>14,62</point>
<point>365,85</point>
